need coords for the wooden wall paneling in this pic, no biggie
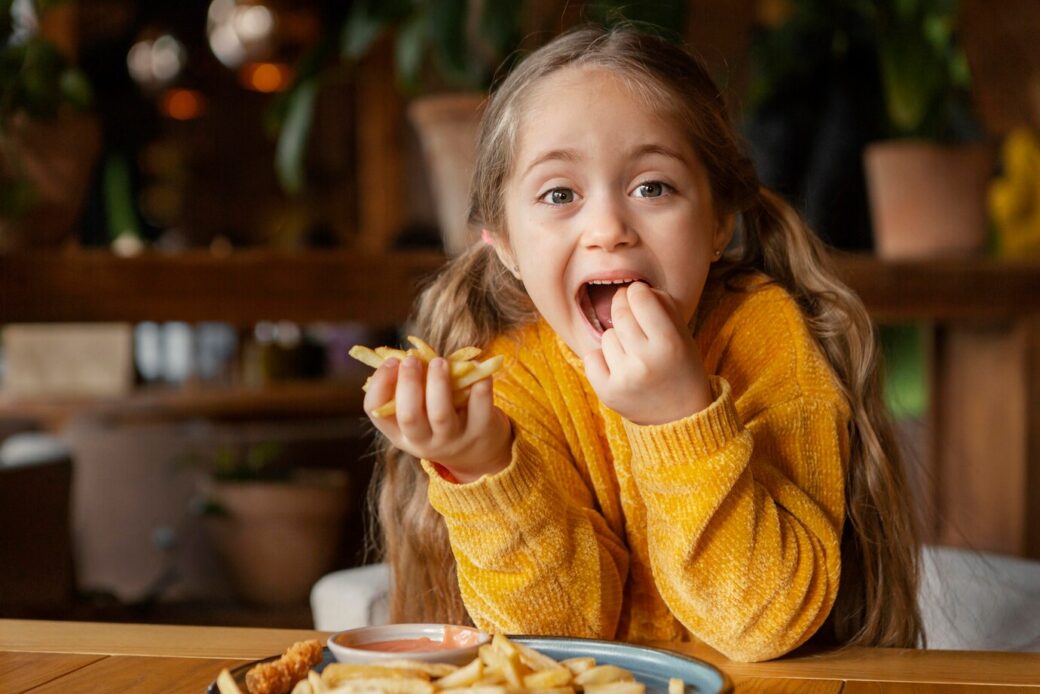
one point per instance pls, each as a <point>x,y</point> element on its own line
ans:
<point>1000,41</point>
<point>981,436</point>
<point>1030,328</point>
<point>381,130</point>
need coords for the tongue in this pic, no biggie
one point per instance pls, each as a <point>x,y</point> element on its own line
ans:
<point>601,296</point>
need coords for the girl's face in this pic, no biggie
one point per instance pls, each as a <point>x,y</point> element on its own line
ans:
<point>603,190</point>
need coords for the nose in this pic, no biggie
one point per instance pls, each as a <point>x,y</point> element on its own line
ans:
<point>606,226</point>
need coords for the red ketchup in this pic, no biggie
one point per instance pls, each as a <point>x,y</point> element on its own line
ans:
<point>454,637</point>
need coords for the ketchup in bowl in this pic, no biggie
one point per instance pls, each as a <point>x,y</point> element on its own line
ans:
<point>439,642</point>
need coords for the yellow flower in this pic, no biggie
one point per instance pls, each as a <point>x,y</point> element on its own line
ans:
<point>1014,198</point>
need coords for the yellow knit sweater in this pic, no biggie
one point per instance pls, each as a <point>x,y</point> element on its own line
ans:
<point>724,526</point>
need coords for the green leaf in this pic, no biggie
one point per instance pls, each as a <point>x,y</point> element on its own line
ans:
<point>119,198</point>
<point>360,30</point>
<point>75,88</point>
<point>292,141</point>
<point>6,21</point>
<point>408,51</point>
<point>499,25</point>
<point>447,31</point>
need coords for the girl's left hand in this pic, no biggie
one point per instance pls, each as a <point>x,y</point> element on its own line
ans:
<point>648,368</point>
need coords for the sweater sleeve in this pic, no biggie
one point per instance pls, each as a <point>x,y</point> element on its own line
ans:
<point>534,555</point>
<point>744,521</point>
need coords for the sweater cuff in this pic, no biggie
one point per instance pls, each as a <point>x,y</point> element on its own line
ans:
<point>701,434</point>
<point>510,488</point>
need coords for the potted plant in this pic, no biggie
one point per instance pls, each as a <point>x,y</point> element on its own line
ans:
<point>927,185</point>
<point>277,526</point>
<point>48,141</point>
<point>446,54</point>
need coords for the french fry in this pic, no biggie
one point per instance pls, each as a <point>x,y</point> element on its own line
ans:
<point>603,674</point>
<point>549,678</point>
<point>535,660</point>
<point>464,676</point>
<point>481,689</point>
<point>462,369</point>
<point>616,688</point>
<point>385,685</point>
<point>302,687</point>
<point>336,674</point>
<point>226,683</point>
<point>366,356</point>
<point>464,354</point>
<point>506,663</point>
<point>481,371</point>
<point>317,686</point>
<point>423,350</point>
<point>676,686</point>
<point>578,665</point>
<point>391,353</point>
<point>431,670</point>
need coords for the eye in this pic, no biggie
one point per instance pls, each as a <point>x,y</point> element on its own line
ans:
<point>557,196</point>
<point>652,189</point>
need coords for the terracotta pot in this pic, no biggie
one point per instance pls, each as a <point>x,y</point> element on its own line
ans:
<point>447,126</point>
<point>928,200</point>
<point>57,157</point>
<point>278,539</point>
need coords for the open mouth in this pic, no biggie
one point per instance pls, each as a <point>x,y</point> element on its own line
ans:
<point>596,297</point>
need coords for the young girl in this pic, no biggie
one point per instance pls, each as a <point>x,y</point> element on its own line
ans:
<point>684,441</point>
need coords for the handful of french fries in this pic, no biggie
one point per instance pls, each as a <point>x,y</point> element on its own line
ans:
<point>501,667</point>
<point>463,368</point>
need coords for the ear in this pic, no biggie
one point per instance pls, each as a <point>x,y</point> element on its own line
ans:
<point>500,244</point>
<point>723,232</point>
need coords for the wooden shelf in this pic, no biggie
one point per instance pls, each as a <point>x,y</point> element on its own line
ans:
<point>283,400</point>
<point>379,288</point>
<point>241,288</point>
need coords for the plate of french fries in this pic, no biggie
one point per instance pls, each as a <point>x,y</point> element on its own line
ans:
<point>464,368</point>
<point>507,665</point>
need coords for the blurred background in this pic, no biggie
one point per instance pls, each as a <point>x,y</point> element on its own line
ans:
<point>205,203</point>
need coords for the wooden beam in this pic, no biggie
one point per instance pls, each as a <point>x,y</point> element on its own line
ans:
<point>242,288</point>
<point>379,288</point>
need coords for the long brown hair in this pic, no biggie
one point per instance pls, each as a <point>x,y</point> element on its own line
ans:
<point>474,299</point>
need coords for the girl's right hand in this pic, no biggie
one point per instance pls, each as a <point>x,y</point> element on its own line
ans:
<point>470,442</point>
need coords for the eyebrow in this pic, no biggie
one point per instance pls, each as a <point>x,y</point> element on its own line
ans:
<point>571,156</point>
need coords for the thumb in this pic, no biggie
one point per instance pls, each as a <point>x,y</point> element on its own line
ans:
<point>596,369</point>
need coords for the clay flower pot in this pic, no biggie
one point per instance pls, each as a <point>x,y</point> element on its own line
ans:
<point>928,200</point>
<point>279,538</point>
<point>57,158</point>
<point>447,125</point>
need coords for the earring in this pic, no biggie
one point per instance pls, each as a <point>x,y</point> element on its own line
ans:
<point>718,254</point>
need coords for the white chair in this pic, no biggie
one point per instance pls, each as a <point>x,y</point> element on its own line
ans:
<point>979,601</point>
<point>969,600</point>
<point>351,598</point>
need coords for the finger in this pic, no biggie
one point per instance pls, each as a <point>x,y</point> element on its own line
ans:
<point>381,386</point>
<point>628,330</point>
<point>613,352</point>
<point>480,406</point>
<point>671,308</point>
<point>596,367</point>
<point>440,410</point>
<point>653,310</point>
<point>411,405</point>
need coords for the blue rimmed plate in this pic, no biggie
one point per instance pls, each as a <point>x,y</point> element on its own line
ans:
<point>651,666</point>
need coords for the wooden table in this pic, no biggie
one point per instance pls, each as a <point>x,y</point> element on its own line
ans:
<point>42,656</point>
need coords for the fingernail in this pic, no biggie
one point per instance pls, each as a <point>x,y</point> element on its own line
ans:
<point>390,363</point>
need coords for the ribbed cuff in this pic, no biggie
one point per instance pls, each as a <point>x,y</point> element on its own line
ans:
<point>510,488</point>
<point>701,434</point>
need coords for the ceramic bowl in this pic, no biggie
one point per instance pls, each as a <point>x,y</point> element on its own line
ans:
<point>359,645</point>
